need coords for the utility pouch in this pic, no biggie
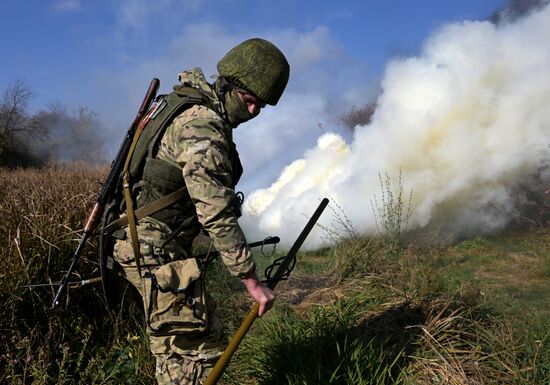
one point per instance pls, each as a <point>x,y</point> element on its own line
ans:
<point>175,299</point>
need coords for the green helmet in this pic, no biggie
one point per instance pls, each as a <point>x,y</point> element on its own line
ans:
<point>257,66</point>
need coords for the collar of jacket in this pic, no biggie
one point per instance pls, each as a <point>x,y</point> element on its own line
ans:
<point>195,78</point>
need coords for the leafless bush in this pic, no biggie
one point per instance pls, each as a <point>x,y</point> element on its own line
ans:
<point>356,116</point>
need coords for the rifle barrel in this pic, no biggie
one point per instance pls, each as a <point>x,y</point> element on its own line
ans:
<point>66,277</point>
<point>108,187</point>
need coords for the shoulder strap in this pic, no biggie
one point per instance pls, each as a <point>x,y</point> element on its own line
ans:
<point>151,126</point>
<point>169,106</point>
<point>147,210</point>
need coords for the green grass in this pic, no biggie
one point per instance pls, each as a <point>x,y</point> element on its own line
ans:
<point>327,345</point>
<point>470,312</point>
<point>510,270</point>
<point>369,310</point>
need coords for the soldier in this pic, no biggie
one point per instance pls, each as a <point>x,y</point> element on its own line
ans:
<point>196,151</point>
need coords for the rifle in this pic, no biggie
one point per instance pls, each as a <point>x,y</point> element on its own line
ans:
<point>109,187</point>
<point>283,271</point>
<point>210,256</point>
<point>205,257</point>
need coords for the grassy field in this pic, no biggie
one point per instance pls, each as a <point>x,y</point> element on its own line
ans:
<point>393,309</point>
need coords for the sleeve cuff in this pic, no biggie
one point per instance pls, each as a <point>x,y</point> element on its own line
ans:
<point>238,260</point>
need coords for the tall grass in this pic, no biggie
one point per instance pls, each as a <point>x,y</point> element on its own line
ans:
<point>373,309</point>
<point>416,330</point>
<point>392,211</point>
<point>464,346</point>
<point>325,347</point>
<point>42,215</point>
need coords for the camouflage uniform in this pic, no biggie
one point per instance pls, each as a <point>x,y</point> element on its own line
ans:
<point>199,142</point>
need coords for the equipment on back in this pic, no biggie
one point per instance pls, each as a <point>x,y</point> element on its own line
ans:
<point>153,187</point>
<point>108,189</point>
<point>155,179</point>
<point>257,66</point>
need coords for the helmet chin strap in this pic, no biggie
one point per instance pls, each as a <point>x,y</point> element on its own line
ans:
<point>222,87</point>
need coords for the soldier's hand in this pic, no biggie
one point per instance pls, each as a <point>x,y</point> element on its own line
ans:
<point>259,292</point>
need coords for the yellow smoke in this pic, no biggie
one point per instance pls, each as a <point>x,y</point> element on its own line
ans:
<point>464,122</point>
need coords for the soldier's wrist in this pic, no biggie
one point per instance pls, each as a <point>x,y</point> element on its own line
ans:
<point>250,279</point>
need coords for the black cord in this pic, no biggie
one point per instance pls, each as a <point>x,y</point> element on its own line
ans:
<point>271,269</point>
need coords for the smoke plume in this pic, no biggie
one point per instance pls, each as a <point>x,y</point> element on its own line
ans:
<point>465,122</point>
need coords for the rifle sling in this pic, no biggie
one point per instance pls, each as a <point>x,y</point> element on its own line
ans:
<point>148,210</point>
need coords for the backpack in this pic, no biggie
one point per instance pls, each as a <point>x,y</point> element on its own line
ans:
<point>160,115</point>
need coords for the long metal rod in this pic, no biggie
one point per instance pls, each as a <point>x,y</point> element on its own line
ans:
<point>72,284</point>
<point>231,348</point>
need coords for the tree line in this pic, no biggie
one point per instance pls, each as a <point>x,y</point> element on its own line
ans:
<point>52,134</point>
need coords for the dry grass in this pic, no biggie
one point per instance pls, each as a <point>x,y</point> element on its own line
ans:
<point>43,212</point>
<point>455,348</point>
<point>412,311</point>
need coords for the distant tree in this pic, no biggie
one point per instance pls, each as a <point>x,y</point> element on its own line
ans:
<point>515,9</point>
<point>358,116</point>
<point>17,127</point>
<point>52,134</point>
<point>73,137</point>
<point>14,119</point>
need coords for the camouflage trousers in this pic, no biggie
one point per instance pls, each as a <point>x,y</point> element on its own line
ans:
<point>183,358</point>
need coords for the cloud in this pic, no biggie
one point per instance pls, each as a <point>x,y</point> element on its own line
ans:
<point>140,14</point>
<point>67,5</point>
<point>193,45</point>
<point>306,49</point>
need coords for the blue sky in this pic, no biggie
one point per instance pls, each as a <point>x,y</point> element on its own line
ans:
<point>61,48</point>
<point>102,54</point>
<point>440,72</point>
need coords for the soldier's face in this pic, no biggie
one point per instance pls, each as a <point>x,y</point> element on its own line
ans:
<point>253,104</point>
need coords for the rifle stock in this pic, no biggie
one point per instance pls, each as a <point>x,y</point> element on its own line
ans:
<point>108,188</point>
<point>223,361</point>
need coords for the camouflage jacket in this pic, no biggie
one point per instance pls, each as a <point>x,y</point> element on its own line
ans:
<point>200,143</point>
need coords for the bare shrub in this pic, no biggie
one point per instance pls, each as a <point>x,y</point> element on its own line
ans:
<point>392,212</point>
<point>358,116</point>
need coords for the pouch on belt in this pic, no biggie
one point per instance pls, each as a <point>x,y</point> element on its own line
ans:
<point>175,299</point>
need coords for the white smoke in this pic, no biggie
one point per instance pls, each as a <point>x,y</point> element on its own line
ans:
<point>465,121</point>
